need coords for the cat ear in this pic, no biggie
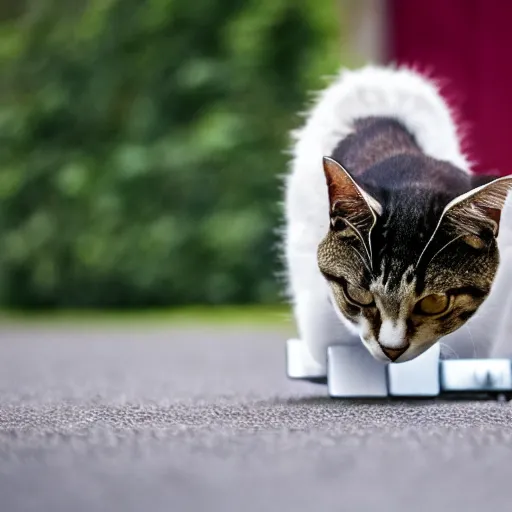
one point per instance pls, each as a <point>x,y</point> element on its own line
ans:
<point>478,208</point>
<point>470,214</point>
<point>350,203</point>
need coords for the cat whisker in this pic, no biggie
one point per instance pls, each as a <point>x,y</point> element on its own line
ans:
<point>362,259</point>
<point>442,249</point>
<point>446,348</point>
<point>472,340</point>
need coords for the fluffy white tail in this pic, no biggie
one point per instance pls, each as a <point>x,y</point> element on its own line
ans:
<point>382,91</point>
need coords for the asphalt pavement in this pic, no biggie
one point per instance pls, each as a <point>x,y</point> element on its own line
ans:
<point>141,418</point>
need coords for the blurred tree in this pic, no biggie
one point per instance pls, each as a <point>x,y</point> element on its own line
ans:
<point>141,145</point>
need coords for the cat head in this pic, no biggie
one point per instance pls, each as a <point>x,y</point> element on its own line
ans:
<point>408,265</point>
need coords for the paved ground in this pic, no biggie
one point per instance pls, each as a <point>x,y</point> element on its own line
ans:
<point>204,420</point>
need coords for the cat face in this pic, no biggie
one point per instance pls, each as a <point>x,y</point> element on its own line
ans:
<point>398,282</point>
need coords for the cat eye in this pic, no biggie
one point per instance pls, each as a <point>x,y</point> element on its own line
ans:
<point>433,304</point>
<point>358,295</point>
<point>474,241</point>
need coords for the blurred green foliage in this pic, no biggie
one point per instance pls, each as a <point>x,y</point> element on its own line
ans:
<point>142,143</point>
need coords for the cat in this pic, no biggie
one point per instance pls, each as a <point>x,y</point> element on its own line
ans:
<point>390,239</point>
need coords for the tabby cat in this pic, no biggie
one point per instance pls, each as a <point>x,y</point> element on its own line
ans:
<point>390,239</point>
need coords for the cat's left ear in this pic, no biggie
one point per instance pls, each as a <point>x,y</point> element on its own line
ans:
<point>472,217</point>
<point>477,209</point>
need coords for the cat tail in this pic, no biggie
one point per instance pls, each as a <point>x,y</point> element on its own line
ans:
<point>398,92</point>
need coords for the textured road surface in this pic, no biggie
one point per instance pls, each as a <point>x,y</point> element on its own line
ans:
<point>203,420</point>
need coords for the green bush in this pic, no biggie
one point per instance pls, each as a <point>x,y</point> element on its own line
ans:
<point>142,142</point>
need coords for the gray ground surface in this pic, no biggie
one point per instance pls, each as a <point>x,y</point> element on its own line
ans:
<point>202,419</point>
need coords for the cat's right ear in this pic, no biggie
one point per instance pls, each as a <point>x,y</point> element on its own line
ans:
<point>350,204</point>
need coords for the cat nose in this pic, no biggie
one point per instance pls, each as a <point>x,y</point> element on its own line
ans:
<point>394,353</point>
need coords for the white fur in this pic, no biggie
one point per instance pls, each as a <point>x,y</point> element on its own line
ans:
<point>371,91</point>
<point>392,333</point>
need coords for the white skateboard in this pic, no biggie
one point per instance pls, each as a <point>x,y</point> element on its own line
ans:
<point>352,372</point>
